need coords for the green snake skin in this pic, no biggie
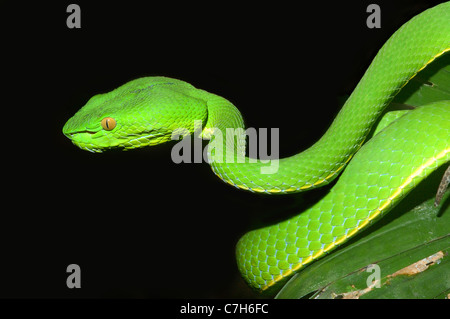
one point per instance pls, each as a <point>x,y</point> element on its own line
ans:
<point>148,111</point>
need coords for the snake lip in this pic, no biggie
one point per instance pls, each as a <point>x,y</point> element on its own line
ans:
<point>86,131</point>
<point>72,134</point>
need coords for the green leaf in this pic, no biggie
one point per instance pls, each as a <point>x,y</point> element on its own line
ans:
<point>432,84</point>
<point>414,235</point>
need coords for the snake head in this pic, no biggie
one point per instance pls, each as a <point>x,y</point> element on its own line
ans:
<point>143,112</point>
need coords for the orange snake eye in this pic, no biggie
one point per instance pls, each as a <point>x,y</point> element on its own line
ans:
<point>108,123</point>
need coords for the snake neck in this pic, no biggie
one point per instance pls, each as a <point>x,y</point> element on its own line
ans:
<point>224,128</point>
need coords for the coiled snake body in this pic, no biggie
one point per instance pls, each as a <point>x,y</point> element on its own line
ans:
<point>147,111</point>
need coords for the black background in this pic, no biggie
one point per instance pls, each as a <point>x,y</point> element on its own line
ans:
<point>138,225</point>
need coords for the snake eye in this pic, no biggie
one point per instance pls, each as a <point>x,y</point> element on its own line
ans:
<point>108,123</point>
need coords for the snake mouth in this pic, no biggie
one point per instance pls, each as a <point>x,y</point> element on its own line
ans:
<point>96,143</point>
<point>84,140</point>
<point>71,135</point>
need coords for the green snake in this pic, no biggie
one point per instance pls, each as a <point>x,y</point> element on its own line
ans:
<point>151,110</point>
